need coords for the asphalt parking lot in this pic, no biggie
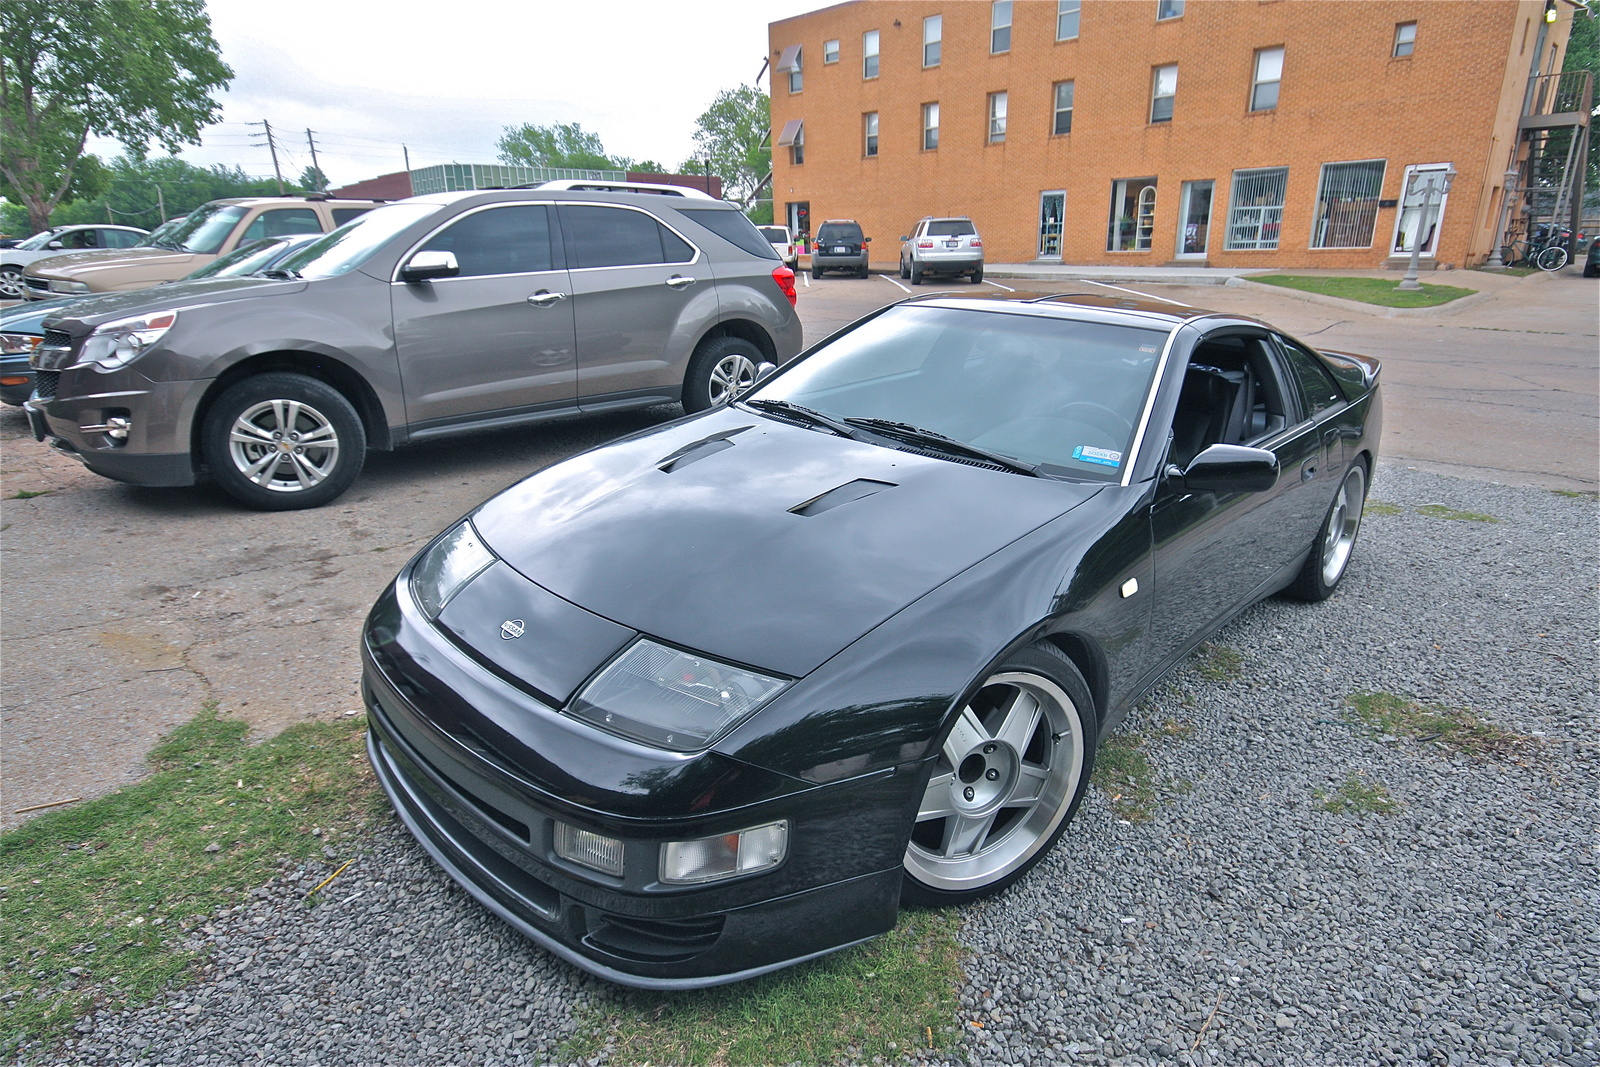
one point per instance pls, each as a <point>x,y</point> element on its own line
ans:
<point>126,609</point>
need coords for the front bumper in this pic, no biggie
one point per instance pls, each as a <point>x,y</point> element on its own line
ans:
<point>489,820</point>
<point>155,451</point>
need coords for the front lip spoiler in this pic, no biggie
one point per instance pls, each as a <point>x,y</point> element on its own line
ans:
<point>409,806</point>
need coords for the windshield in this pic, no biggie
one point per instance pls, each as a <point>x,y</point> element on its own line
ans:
<point>202,231</point>
<point>246,259</point>
<point>1062,394</point>
<point>350,245</point>
<point>37,241</point>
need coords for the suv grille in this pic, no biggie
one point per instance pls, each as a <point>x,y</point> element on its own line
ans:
<point>56,339</point>
<point>44,384</point>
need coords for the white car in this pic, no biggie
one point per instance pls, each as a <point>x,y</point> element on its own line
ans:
<point>783,244</point>
<point>54,242</point>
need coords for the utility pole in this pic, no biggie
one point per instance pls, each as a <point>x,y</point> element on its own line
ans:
<point>316,169</point>
<point>161,201</point>
<point>273,147</point>
<point>409,184</point>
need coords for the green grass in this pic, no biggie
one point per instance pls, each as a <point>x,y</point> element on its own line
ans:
<point>1379,507</point>
<point>894,995</point>
<point>1218,663</point>
<point>1440,511</point>
<point>1574,494</point>
<point>1379,291</point>
<point>1123,773</point>
<point>29,494</point>
<point>1455,728</point>
<point>98,898</point>
<point>1355,795</point>
<point>1515,272</point>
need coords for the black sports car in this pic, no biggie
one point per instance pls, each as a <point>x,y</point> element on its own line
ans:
<point>716,697</point>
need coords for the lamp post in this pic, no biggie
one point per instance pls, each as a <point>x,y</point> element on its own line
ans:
<point>1507,188</point>
<point>1428,185</point>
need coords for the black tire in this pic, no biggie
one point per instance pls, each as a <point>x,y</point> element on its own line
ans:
<point>719,362</point>
<point>816,274</point>
<point>11,284</point>
<point>1551,259</point>
<point>977,276</point>
<point>861,271</point>
<point>1008,836</point>
<point>1591,270</point>
<point>916,273</point>
<point>321,415</point>
<point>905,271</point>
<point>1335,543</point>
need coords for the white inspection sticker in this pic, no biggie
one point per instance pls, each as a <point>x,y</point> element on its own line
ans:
<point>1104,456</point>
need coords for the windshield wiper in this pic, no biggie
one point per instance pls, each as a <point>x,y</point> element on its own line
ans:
<point>805,414</point>
<point>904,431</point>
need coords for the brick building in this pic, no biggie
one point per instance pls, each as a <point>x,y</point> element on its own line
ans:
<point>1235,133</point>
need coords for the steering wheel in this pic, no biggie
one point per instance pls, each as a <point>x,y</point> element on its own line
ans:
<point>1099,416</point>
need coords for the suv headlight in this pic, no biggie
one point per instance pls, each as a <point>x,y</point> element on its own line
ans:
<point>671,699</point>
<point>116,344</point>
<point>454,560</point>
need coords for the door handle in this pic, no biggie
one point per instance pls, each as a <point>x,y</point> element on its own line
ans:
<point>545,298</point>
<point>679,281</point>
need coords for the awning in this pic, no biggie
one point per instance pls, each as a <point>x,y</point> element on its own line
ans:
<point>789,61</point>
<point>793,133</point>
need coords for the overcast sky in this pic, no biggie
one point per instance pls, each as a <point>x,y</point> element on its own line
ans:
<point>444,79</point>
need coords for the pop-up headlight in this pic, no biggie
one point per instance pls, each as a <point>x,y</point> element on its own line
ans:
<point>671,699</point>
<point>454,560</point>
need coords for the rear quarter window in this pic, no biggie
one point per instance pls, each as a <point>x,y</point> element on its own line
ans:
<point>735,228</point>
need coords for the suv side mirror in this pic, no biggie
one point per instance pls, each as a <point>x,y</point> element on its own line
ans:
<point>429,264</point>
<point>1228,469</point>
<point>904,237</point>
<point>866,240</point>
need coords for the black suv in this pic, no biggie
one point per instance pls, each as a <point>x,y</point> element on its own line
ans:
<point>840,246</point>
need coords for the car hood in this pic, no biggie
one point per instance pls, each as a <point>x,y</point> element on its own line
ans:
<point>83,266</point>
<point>756,541</point>
<point>81,316</point>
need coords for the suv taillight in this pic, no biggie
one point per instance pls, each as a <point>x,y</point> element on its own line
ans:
<point>785,279</point>
<point>975,243</point>
<point>924,244</point>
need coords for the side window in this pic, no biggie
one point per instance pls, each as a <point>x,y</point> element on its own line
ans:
<point>601,236</point>
<point>120,238</point>
<point>500,240</point>
<point>282,222</point>
<point>81,239</point>
<point>1230,396</point>
<point>1317,386</point>
<point>342,215</point>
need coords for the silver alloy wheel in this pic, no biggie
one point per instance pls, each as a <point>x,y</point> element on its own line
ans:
<point>733,371</point>
<point>284,445</point>
<point>1004,781</point>
<point>11,286</point>
<point>1344,520</point>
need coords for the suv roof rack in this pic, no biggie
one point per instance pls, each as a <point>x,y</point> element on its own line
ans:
<point>585,185</point>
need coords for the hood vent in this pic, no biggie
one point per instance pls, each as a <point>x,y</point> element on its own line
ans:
<point>706,446</point>
<point>844,494</point>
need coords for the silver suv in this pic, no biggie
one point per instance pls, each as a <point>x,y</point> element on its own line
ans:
<point>431,316</point>
<point>942,246</point>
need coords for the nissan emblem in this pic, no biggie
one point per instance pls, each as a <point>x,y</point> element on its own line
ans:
<point>512,629</point>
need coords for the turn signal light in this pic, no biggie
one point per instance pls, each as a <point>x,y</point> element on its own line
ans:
<point>785,279</point>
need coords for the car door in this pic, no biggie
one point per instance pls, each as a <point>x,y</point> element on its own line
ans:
<point>1215,552</point>
<point>498,337</point>
<point>634,283</point>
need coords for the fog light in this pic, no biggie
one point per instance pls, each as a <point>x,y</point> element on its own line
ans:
<point>116,428</point>
<point>710,859</point>
<point>595,851</point>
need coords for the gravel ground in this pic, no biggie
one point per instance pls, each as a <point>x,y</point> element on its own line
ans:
<point>1241,924</point>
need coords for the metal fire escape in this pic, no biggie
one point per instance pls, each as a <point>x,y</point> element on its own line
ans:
<point>1551,156</point>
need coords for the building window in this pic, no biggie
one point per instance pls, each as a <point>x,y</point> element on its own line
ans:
<point>796,78</point>
<point>789,63</point>
<point>870,122</point>
<point>1405,38</point>
<point>1168,9</point>
<point>869,54</point>
<point>1000,27</point>
<point>1163,88</point>
<point>932,35</point>
<point>930,127</point>
<point>1067,12</point>
<point>1347,204</point>
<point>1133,215</point>
<point>997,118</point>
<point>830,52</point>
<point>1269,75</point>
<point>1255,213</point>
<point>1063,121</point>
<point>793,138</point>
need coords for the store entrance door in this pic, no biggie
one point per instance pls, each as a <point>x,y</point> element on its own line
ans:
<point>1052,211</point>
<point>1194,236</point>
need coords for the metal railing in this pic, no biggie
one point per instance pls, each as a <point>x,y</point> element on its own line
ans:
<point>1568,93</point>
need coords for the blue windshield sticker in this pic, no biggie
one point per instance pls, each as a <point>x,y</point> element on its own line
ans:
<point>1103,456</point>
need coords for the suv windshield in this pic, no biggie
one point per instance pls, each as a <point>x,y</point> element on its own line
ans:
<point>1062,394</point>
<point>348,247</point>
<point>839,231</point>
<point>203,232</point>
<point>950,227</point>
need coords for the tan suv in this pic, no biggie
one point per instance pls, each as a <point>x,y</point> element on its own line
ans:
<point>209,231</point>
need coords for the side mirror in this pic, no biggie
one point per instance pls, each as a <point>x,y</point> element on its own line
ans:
<point>427,265</point>
<point>55,244</point>
<point>1228,469</point>
<point>866,240</point>
<point>904,237</point>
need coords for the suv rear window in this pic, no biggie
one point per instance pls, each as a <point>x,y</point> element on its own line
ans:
<point>733,227</point>
<point>950,227</point>
<point>839,231</point>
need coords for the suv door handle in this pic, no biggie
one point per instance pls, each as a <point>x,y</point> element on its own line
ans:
<point>679,281</point>
<point>545,298</point>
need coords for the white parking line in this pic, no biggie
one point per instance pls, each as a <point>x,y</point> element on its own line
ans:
<point>1135,292</point>
<point>894,283</point>
<point>997,285</point>
<point>805,276</point>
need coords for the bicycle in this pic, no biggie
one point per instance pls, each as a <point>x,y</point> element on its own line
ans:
<point>1548,254</point>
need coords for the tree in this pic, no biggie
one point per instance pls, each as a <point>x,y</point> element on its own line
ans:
<point>129,190</point>
<point>558,145</point>
<point>731,133</point>
<point>136,70</point>
<point>313,180</point>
